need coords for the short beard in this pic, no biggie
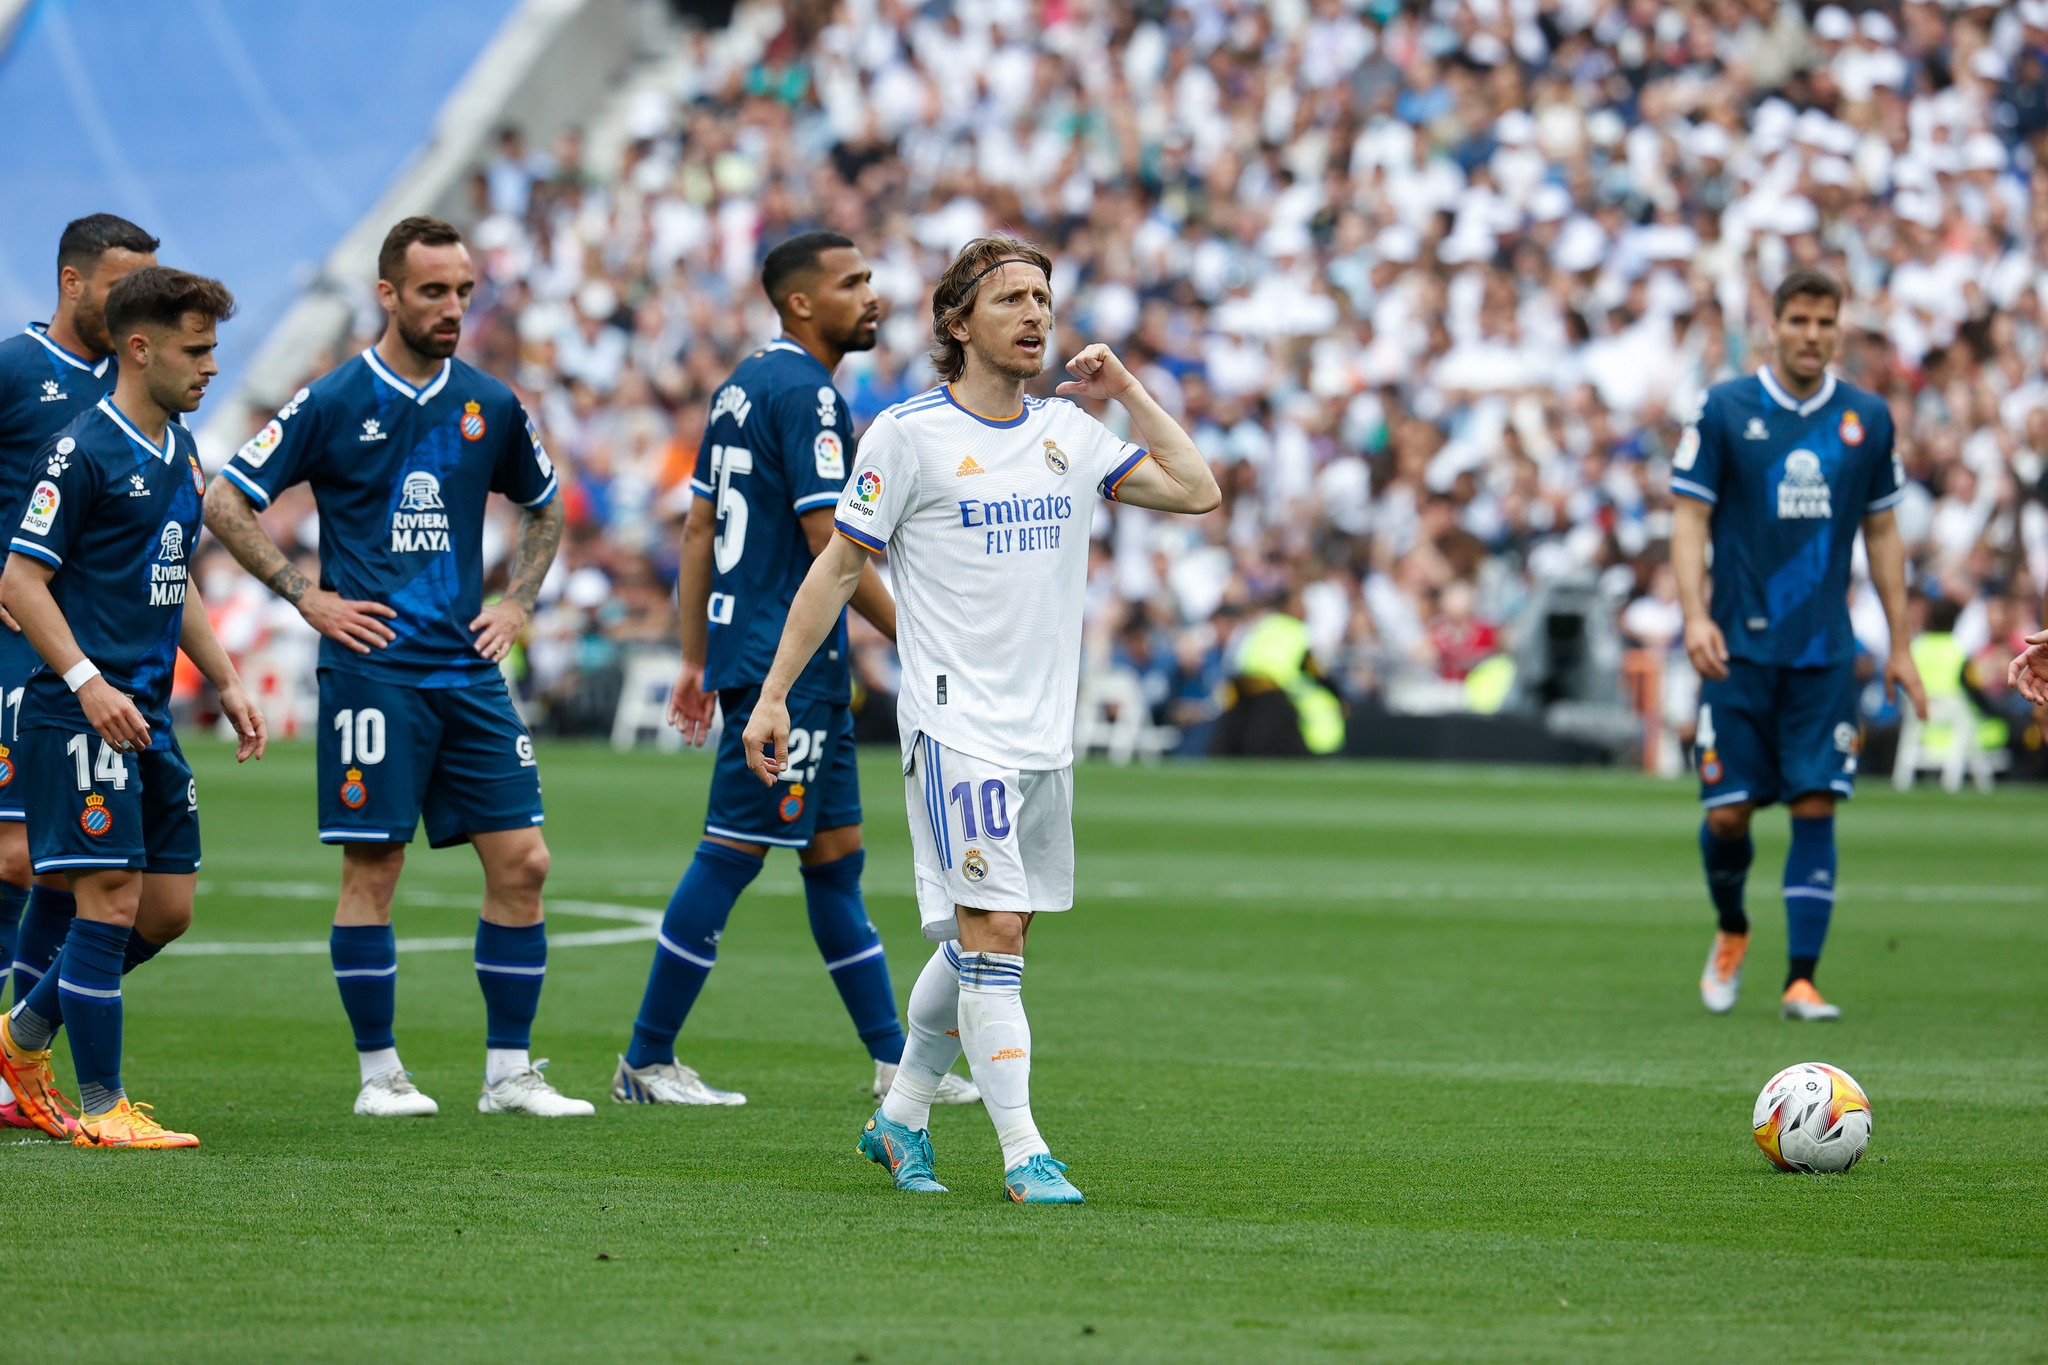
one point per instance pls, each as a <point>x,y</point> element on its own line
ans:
<point>859,337</point>
<point>91,325</point>
<point>425,343</point>
<point>1009,370</point>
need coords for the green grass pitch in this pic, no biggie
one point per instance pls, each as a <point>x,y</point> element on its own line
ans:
<point>1383,1062</point>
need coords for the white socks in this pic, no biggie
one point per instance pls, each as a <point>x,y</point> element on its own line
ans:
<point>375,1064</point>
<point>933,1043</point>
<point>997,1040</point>
<point>503,1063</point>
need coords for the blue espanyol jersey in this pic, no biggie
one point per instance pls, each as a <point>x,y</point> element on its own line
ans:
<point>1790,483</point>
<point>115,516</point>
<point>43,388</point>
<point>775,448</point>
<point>401,476</point>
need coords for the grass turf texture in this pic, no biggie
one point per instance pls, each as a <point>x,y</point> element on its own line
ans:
<point>1384,1061</point>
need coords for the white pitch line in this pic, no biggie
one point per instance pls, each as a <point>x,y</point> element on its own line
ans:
<point>644,924</point>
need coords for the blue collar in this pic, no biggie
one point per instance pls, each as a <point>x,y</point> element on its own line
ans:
<point>1787,401</point>
<point>1023,411</point>
<point>170,446</point>
<point>419,396</point>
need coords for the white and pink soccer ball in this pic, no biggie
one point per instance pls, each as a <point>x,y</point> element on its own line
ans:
<point>1813,1118</point>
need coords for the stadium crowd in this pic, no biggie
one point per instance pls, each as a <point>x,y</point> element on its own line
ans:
<point>1437,283</point>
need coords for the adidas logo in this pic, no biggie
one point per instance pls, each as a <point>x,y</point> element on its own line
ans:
<point>968,466</point>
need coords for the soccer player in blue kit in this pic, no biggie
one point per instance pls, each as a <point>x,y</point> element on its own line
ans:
<point>49,375</point>
<point>1777,474</point>
<point>98,579</point>
<point>402,446</point>
<point>769,472</point>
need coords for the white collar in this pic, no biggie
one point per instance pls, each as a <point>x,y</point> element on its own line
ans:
<point>170,445</point>
<point>41,334</point>
<point>1787,401</point>
<point>419,396</point>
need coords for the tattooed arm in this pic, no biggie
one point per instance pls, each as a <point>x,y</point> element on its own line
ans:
<point>232,519</point>
<point>498,625</point>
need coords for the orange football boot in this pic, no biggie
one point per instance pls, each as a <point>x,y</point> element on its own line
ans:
<point>29,1076</point>
<point>1802,1001</point>
<point>1721,981</point>
<point>129,1125</point>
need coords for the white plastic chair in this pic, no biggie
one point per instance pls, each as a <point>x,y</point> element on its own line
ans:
<point>643,702</point>
<point>1111,714</point>
<point>1963,753</point>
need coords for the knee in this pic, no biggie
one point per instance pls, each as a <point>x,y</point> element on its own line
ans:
<point>522,873</point>
<point>1728,822</point>
<point>14,865</point>
<point>369,879</point>
<point>162,924</point>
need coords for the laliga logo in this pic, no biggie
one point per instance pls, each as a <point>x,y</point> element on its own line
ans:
<point>868,486</point>
<point>421,492</point>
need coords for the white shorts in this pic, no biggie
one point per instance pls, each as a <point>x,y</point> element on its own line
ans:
<point>985,836</point>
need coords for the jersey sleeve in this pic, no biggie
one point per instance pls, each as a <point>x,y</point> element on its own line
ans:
<point>883,490</point>
<point>813,445</point>
<point>59,503</point>
<point>286,451</point>
<point>1696,463</point>
<point>1887,470</point>
<point>1107,456</point>
<point>525,474</point>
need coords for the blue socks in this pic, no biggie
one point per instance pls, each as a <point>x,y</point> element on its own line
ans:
<point>1809,893</point>
<point>1727,862</point>
<point>12,899</point>
<point>365,958</point>
<point>138,951</point>
<point>511,964</point>
<point>89,976</point>
<point>686,948</point>
<point>41,936</point>
<point>853,953</point>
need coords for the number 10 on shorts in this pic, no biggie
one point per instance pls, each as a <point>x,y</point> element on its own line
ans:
<point>994,803</point>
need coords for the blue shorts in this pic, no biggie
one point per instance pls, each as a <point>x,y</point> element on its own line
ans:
<point>1769,734</point>
<point>390,753</point>
<point>819,790</point>
<point>92,807</point>
<point>17,660</point>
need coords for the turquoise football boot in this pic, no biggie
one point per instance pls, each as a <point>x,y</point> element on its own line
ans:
<point>906,1154</point>
<point>1041,1180</point>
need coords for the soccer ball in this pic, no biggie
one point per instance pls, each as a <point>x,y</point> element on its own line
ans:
<point>1814,1118</point>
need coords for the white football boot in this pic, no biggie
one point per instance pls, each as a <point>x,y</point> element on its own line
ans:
<point>1721,978</point>
<point>1802,1002</point>
<point>668,1083</point>
<point>953,1089</point>
<point>527,1092</point>
<point>392,1095</point>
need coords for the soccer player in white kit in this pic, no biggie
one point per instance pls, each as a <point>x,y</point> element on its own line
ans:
<point>981,496</point>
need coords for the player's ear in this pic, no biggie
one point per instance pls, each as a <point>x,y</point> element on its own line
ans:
<point>387,295</point>
<point>70,282</point>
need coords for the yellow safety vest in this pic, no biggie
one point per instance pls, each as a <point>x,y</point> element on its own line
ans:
<point>1941,662</point>
<point>1276,649</point>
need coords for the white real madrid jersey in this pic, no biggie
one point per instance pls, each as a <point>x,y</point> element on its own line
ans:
<point>986,523</point>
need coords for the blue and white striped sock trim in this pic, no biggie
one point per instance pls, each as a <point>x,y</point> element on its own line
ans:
<point>1808,893</point>
<point>873,950</point>
<point>510,968</point>
<point>90,992</point>
<point>982,972</point>
<point>345,973</point>
<point>952,952</point>
<point>669,945</point>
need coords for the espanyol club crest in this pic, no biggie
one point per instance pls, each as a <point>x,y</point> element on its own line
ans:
<point>354,794</point>
<point>198,477</point>
<point>1055,458</point>
<point>1710,767</point>
<point>791,806</point>
<point>472,421</point>
<point>974,865</point>
<point>96,819</point>
<point>6,766</point>
<point>1852,429</point>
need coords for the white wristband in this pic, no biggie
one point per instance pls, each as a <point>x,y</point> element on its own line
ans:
<point>80,673</point>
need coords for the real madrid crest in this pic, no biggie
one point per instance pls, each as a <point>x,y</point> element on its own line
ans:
<point>974,865</point>
<point>791,806</point>
<point>96,819</point>
<point>354,794</point>
<point>1055,458</point>
<point>472,421</point>
<point>1852,429</point>
<point>6,766</point>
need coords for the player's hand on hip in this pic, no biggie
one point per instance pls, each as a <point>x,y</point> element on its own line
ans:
<point>252,736</point>
<point>110,713</point>
<point>1902,675</point>
<point>359,625</point>
<point>1708,650</point>
<point>1097,374</point>
<point>766,742</point>
<point>498,628</point>
<point>690,707</point>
